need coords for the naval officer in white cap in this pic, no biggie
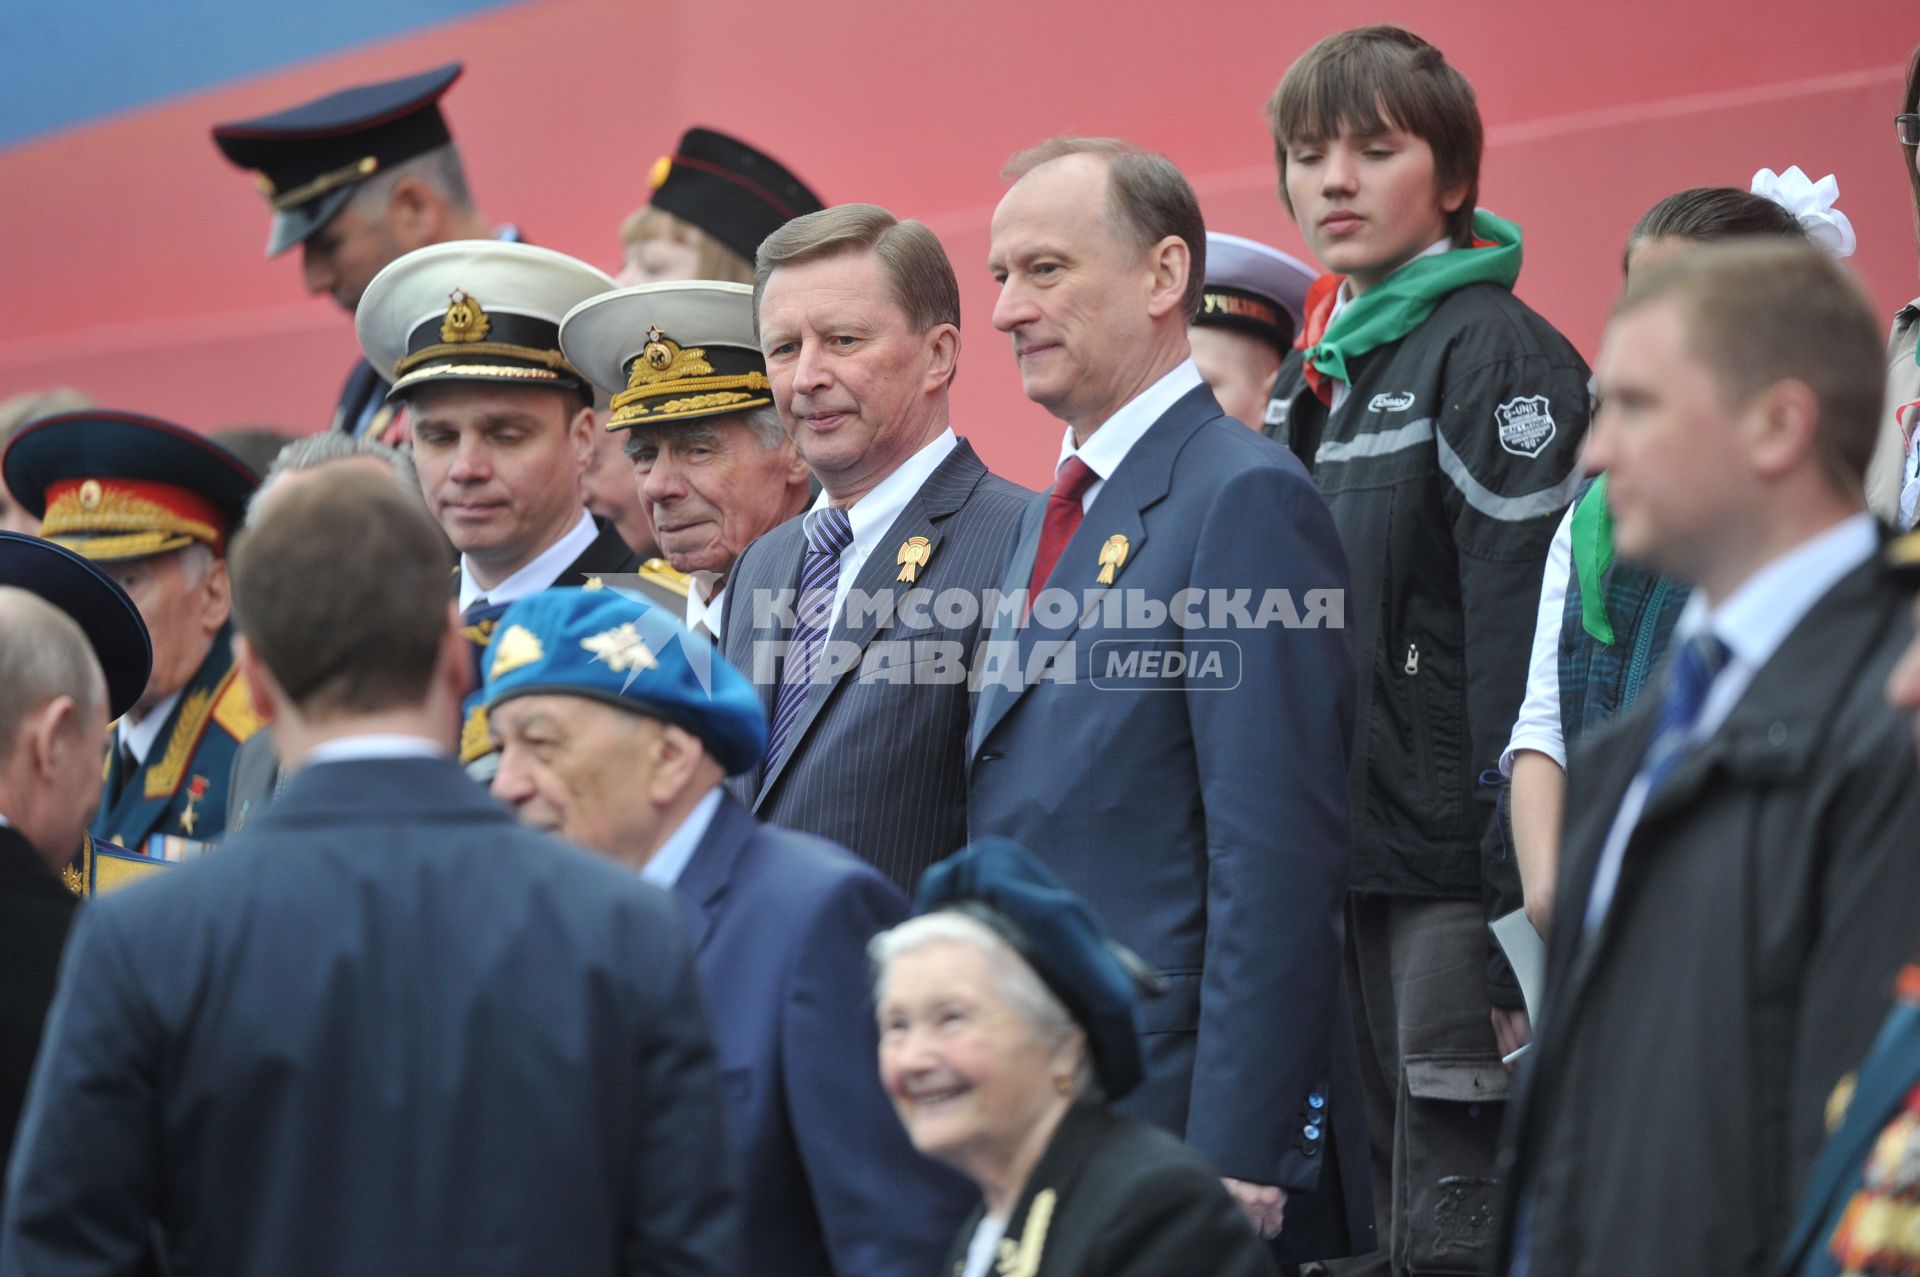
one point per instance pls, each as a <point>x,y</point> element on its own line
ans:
<point>711,458</point>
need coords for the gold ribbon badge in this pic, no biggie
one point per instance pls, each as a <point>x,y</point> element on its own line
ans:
<point>1113,557</point>
<point>914,553</point>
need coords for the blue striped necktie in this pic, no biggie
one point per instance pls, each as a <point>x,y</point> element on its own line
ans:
<point>829,533</point>
<point>1695,666</point>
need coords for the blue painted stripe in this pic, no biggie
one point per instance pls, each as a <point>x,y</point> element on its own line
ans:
<point>71,62</point>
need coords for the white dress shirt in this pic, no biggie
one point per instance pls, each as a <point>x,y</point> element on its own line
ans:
<point>875,512</point>
<point>1114,438</point>
<point>671,860</point>
<point>1538,726</point>
<point>537,575</point>
<point>1752,622</point>
<point>139,737</point>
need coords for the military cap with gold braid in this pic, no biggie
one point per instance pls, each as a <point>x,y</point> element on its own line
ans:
<point>307,159</point>
<point>669,352</point>
<point>117,485</point>
<point>476,310</point>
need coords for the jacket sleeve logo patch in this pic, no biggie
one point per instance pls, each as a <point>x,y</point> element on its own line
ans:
<point>1526,425</point>
<point>1392,403</point>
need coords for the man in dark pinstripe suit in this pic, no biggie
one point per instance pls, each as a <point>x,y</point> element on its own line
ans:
<point>857,621</point>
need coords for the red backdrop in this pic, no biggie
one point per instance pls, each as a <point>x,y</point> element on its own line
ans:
<point>130,253</point>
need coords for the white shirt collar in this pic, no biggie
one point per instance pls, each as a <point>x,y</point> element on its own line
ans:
<point>671,860</point>
<point>374,745</point>
<point>703,609</point>
<point>140,737</point>
<point>4,822</point>
<point>875,512</point>
<point>536,576</point>
<point>1109,445</point>
<point>1757,617</point>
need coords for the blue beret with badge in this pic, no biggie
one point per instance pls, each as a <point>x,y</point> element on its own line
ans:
<point>1005,886</point>
<point>97,604</point>
<point>309,158</point>
<point>606,646</point>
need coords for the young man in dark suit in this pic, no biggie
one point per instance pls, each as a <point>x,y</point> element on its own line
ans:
<point>1168,728</point>
<point>386,1029</point>
<point>858,620</point>
<point>617,725</point>
<point>1738,882</point>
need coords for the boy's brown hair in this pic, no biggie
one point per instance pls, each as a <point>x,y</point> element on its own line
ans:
<point>1370,79</point>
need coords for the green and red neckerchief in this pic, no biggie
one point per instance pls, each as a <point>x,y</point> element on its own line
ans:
<point>1401,302</point>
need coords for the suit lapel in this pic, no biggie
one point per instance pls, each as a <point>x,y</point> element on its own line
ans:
<point>996,696</point>
<point>1140,482</point>
<point>776,574</point>
<point>945,491</point>
<point>702,887</point>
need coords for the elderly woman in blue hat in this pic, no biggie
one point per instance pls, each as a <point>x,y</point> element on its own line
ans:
<point>1006,1018</point>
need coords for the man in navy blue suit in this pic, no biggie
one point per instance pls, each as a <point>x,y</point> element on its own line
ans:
<point>384,1030</point>
<point>1168,728</point>
<point>616,727</point>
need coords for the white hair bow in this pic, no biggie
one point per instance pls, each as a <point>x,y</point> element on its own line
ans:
<point>1812,203</point>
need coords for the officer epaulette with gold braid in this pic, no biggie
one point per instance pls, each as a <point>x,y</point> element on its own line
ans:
<point>662,573</point>
<point>234,710</point>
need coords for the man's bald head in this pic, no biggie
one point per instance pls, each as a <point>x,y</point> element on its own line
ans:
<point>45,654</point>
<point>53,725</point>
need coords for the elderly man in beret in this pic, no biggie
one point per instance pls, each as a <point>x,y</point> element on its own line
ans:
<point>616,726</point>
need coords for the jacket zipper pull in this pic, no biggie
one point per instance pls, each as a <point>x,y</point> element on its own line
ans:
<point>1413,658</point>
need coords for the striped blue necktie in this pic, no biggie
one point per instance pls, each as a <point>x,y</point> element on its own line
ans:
<point>829,532</point>
<point>1695,666</point>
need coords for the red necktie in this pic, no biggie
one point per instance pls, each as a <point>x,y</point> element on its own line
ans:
<point>1063,517</point>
